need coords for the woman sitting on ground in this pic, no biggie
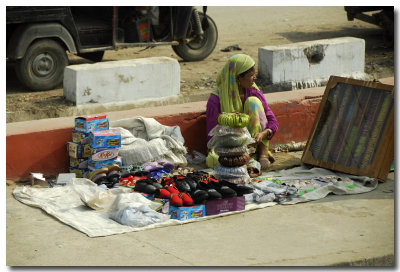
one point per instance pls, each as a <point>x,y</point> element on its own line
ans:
<point>237,92</point>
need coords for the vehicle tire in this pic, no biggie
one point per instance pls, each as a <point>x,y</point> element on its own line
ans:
<point>93,56</point>
<point>42,67</point>
<point>194,50</point>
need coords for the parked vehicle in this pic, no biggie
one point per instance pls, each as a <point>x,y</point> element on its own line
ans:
<point>39,37</point>
<point>381,16</point>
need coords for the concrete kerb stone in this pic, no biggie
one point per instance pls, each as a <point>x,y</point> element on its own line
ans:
<point>130,80</point>
<point>311,63</point>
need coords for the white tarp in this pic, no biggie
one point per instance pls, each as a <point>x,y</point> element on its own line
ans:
<point>67,203</point>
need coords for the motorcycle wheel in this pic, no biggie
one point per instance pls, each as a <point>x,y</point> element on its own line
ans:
<point>198,50</point>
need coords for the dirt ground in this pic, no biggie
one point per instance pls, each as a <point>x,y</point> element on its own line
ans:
<point>268,26</point>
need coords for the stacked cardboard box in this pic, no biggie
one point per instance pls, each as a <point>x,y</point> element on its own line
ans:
<point>93,145</point>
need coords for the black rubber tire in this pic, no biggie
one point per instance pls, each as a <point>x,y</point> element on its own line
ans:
<point>42,67</point>
<point>198,51</point>
<point>93,56</point>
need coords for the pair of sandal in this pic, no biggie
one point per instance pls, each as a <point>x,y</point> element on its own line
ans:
<point>107,175</point>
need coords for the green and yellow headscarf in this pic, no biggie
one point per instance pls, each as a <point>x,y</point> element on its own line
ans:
<point>227,87</point>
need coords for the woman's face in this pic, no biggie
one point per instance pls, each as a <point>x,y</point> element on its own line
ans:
<point>248,79</point>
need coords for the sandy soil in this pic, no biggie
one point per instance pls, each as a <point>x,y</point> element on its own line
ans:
<point>268,26</point>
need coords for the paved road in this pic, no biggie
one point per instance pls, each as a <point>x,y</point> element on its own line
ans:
<point>337,230</point>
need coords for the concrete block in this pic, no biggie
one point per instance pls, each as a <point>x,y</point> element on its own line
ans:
<point>304,64</point>
<point>122,81</point>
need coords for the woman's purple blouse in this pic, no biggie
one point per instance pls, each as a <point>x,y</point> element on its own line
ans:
<point>214,109</point>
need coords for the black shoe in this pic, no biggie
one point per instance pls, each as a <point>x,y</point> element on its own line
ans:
<point>199,196</point>
<point>212,193</point>
<point>153,182</point>
<point>144,187</point>
<point>224,190</point>
<point>140,173</point>
<point>192,183</point>
<point>182,185</point>
<point>113,177</point>
<point>240,189</point>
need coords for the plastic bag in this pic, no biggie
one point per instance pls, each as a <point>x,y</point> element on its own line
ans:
<point>133,209</point>
<point>230,141</point>
<point>220,130</point>
<point>94,196</point>
<point>197,158</point>
<point>230,172</point>
<point>242,180</point>
<point>137,217</point>
<point>230,151</point>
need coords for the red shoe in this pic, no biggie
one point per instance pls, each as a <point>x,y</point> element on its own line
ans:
<point>173,189</point>
<point>176,200</point>
<point>186,199</point>
<point>166,181</point>
<point>162,193</point>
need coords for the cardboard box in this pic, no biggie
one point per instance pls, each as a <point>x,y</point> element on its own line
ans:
<point>353,131</point>
<point>91,123</point>
<point>78,151</point>
<point>105,139</point>
<point>225,205</point>
<point>185,213</point>
<point>164,205</point>
<point>80,137</point>
<point>93,165</point>
<point>78,163</point>
<point>103,154</point>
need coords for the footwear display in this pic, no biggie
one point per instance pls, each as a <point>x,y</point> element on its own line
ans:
<point>239,188</point>
<point>176,200</point>
<point>212,193</point>
<point>224,190</point>
<point>162,193</point>
<point>199,196</point>
<point>186,199</point>
<point>182,185</point>
<point>144,187</point>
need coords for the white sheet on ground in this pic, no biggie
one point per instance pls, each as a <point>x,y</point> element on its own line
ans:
<point>67,203</point>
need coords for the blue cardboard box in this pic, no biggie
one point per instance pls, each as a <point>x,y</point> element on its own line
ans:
<point>105,139</point>
<point>92,123</point>
<point>164,205</point>
<point>93,165</point>
<point>187,212</point>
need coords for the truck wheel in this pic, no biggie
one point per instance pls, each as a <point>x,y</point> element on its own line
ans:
<point>42,67</point>
<point>93,56</point>
<point>198,50</point>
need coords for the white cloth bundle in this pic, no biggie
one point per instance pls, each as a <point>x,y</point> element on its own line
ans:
<point>145,139</point>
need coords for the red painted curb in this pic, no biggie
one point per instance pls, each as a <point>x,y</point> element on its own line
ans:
<point>40,146</point>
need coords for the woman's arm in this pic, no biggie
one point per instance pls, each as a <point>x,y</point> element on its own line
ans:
<point>272,122</point>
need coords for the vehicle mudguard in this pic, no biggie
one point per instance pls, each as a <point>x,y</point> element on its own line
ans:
<point>181,21</point>
<point>26,34</point>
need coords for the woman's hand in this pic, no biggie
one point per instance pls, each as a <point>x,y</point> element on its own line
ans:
<point>266,134</point>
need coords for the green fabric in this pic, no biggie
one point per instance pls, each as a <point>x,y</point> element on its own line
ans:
<point>227,87</point>
<point>255,110</point>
